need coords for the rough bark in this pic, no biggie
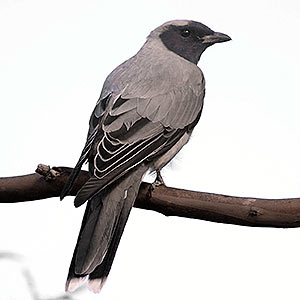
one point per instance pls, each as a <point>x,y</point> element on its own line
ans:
<point>47,182</point>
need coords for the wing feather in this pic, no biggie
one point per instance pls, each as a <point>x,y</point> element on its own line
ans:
<point>139,117</point>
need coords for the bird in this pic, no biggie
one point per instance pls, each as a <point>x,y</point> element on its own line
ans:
<point>146,112</point>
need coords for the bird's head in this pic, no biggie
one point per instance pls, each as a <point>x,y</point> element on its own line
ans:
<point>187,38</point>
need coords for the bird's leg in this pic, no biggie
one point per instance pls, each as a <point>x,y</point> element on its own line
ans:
<point>158,180</point>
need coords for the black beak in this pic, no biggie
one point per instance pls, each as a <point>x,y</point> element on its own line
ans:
<point>216,37</point>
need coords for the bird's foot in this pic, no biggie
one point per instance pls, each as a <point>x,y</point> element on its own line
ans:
<point>158,180</point>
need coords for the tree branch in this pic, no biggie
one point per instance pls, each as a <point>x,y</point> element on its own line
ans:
<point>47,182</point>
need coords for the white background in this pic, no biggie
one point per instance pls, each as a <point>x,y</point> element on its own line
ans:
<point>54,57</point>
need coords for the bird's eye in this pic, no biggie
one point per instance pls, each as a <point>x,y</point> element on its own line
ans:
<point>185,33</point>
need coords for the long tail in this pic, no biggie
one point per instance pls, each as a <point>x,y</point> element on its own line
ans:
<point>101,230</point>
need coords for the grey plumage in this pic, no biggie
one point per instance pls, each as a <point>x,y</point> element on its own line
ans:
<point>146,112</point>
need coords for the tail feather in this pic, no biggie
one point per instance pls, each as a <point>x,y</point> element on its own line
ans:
<point>95,285</point>
<point>75,280</point>
<point>103,269</point>
<point>98,232</point>
<point>101,230</point>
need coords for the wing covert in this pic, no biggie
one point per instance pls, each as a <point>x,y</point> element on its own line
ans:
<point>136,123</point>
